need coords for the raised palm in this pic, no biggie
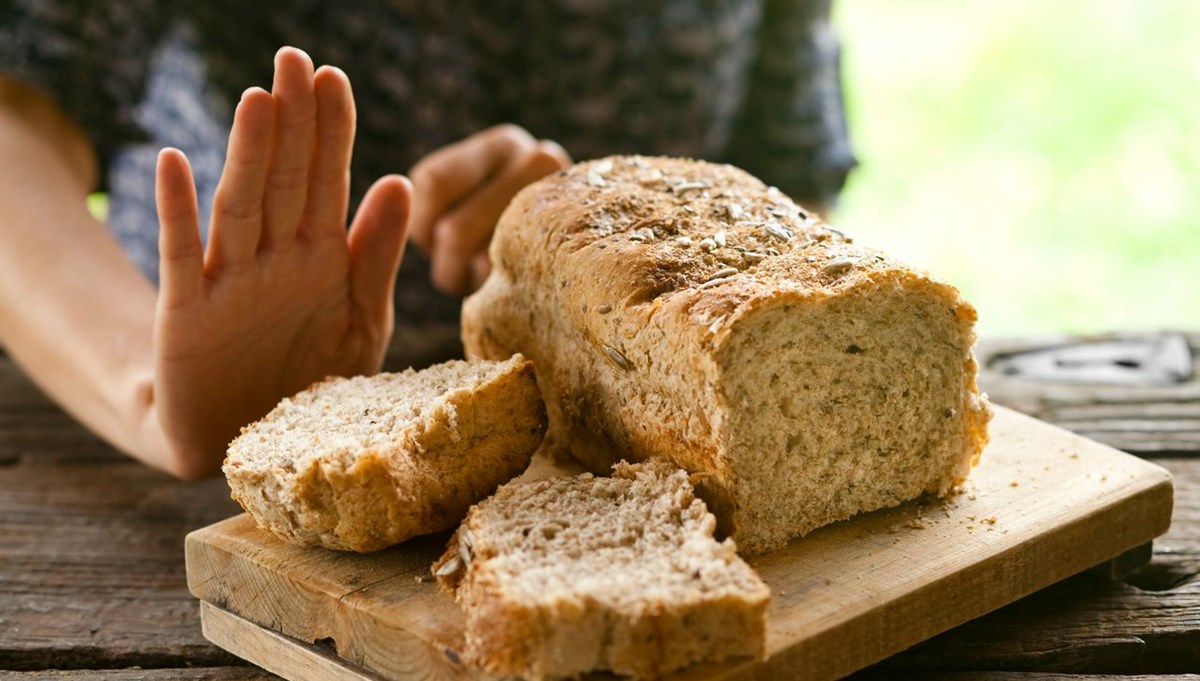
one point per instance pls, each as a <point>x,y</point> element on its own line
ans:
<point>284,295</point>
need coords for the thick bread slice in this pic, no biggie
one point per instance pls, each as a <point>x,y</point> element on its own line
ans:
<point>563,576</point>
<point>363,463</point>
<point>683,308</point>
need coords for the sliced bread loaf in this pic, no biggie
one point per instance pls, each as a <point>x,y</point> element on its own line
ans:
<point>363,463</point>
<point>568,575</point>
<point>685,309</point>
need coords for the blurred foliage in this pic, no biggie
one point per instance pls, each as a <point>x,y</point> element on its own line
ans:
<point>1042,156</point>
<point>98,205</point>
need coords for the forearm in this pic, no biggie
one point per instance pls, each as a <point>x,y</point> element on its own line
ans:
<point>74,312</point>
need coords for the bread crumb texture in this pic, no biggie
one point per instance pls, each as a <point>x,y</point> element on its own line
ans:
<point>684,309</point>
<point>568,575</point>
<point>366,462</point>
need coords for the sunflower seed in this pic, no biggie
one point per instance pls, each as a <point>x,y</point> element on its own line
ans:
<point>684,187</point>
<point>722,273</point>
<point>465,550</point>
<point>837,266</point>
<point>715,281</point>
<point>650,177</point>
<point>617,358</point>
<point>449,567</point>
<point>778,231</point>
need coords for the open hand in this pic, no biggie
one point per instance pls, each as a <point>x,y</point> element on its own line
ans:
<point>283,295</point>
<point>460,192</point>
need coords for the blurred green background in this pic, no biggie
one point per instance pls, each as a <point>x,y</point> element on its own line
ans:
<point>1043,156</point>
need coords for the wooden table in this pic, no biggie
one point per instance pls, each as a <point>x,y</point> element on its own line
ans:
<point>91,545</point>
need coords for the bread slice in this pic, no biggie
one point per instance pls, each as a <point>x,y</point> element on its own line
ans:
<point>684,309</point>
<point>568,575</point>
<point>363,463</point>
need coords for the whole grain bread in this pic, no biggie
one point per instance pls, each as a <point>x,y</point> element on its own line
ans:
<point>363,463</point>
<point>684,308</point>
<point>567,575</point>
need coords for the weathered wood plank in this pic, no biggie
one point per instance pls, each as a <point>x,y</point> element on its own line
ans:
<point>1144,419</point>
<point>873,675</point>
<point>255,674</point>
<point>1149,623</point>
<point>1044,504</point>
<point>1082,625</point>
<point>244,673</point>
<point>91,566</point>
<point>294,660</point>
<point>1147,445</point>
<point>91,563</point>
<point>301,661</point>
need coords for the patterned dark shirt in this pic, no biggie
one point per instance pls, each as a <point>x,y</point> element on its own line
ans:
<point>751,82</point>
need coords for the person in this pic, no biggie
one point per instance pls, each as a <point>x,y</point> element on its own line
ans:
<point>226,277</point>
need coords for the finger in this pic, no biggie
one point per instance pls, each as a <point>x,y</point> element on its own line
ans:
<point>448,175</point>
<point>466,230</point>
<point>180,253</point>
<point>296,117</point>
<point>481,267</point>
<point>329,180</point>
<point>238,202</point>
<point>376,242</point>
<point>555,151</point>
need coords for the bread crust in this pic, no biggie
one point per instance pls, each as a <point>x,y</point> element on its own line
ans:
<point>636,628</point>
<point>626,279</point>
<point>422,480</point>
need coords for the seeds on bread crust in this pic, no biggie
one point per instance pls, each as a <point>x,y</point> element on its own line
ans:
<point>618,358</point>
<point>741,375</point>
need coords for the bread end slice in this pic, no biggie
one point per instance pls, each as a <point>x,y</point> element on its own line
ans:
<point>564,576</point>
<point>363,463</point>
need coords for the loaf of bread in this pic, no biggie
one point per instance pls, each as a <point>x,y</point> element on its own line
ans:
<point>684,309</point>
<point>363,463</point>
<point>568,575</point>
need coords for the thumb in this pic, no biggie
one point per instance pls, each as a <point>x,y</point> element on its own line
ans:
<point>375,243</point>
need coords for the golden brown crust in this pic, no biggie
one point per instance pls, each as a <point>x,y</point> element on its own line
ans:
<point>423,481</point>
<point>624,278</point>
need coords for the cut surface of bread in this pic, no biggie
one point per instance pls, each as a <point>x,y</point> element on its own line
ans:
<point>684,309</point>
<point>363,463</point>
<point>567,575</point>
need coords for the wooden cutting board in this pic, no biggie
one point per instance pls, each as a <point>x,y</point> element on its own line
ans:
<point>1042,505</point>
